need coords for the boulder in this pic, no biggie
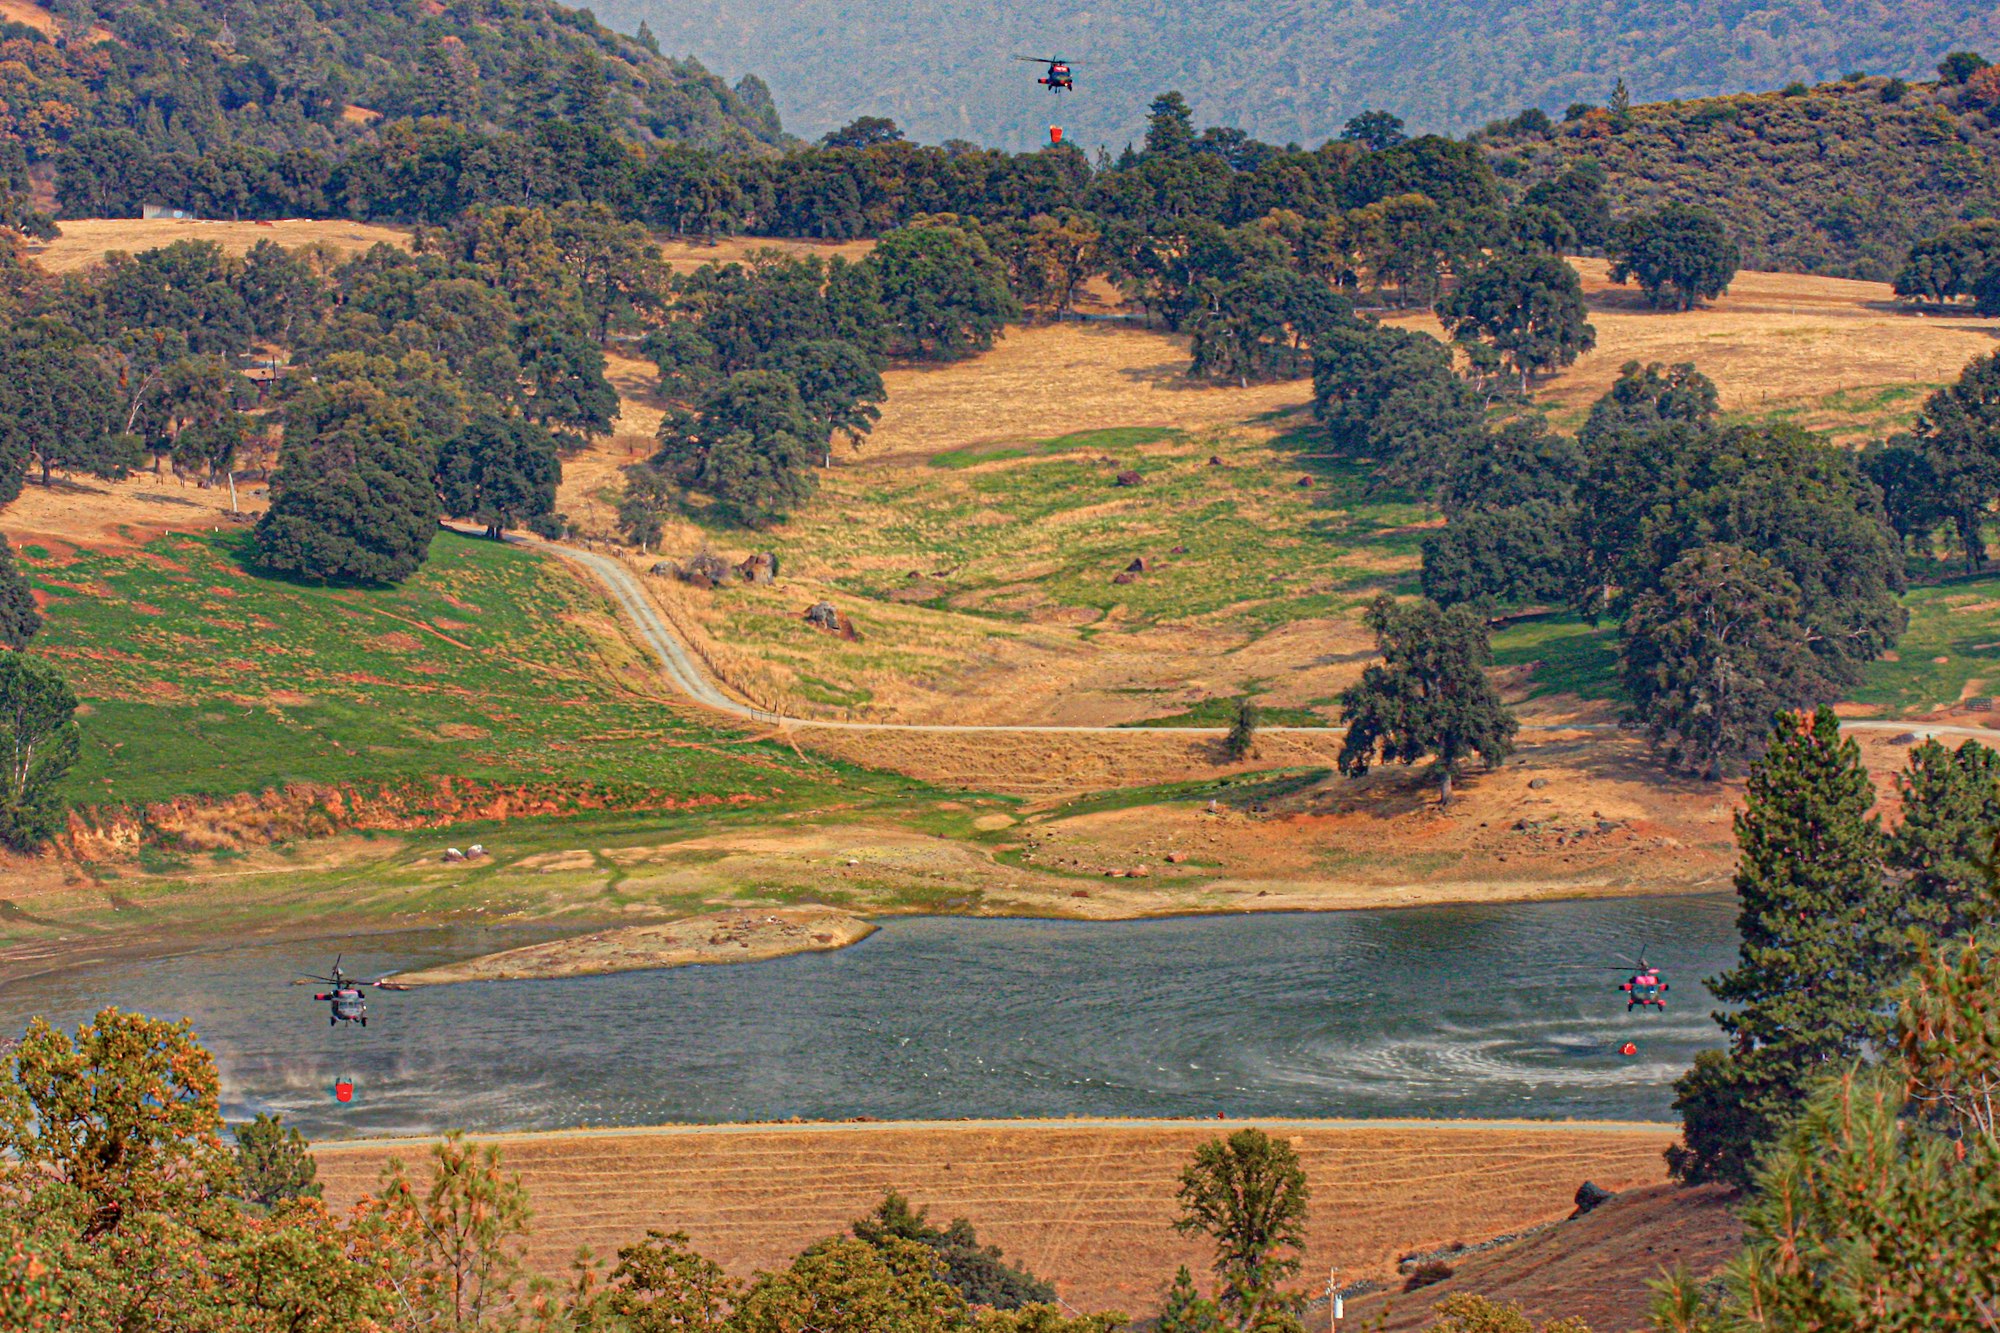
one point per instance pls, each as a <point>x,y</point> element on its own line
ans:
<point>1127,478</point>
<point>1124,576</point>
<point>665,569</point>
<point>759,568</point>
<point>1304,483</point>
<point>706,570</point>
<point>1138,566</point>
<point>1178,550</point>
<point>823,615</point>
<point>1213,461</point>
<point>1588,1196</point>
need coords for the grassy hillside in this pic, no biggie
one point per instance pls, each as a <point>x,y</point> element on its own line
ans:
<point>1284,70</point>
<point>201,676</point>
<point>1834,180</point>
<point>194,75</point>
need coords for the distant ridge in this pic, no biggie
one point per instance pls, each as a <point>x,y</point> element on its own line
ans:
<point>1284,69</point>
<point>194,76</point>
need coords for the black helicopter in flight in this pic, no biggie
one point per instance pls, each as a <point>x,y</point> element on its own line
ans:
<point>1645,988</point>
<point>1058,77</point>
<point>345,1003</point>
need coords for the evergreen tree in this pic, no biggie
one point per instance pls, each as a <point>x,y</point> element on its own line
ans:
<point>38,746</point>
<point>1429,697</point>
<point>1814,918</point>
<point>501,471</point>
<point>1374,130</point>
<point>1169,126</point>
<point>1248,1194</point>
<point>1959,434</point>
<point>944,292</point>
<point>565,372</point>
<point>1186,1310</point>
<point>1681,255</point>
<point>1938,853</point>
<point>273,1164</point>
<point>979,1272</point>
<point>355,496</point>
<point>19,617</point>
<point>1713,653</point>
<point>1242,737</point>
<point>1528,307</point>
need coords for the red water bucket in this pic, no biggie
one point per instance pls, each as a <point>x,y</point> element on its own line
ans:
<point>1055,135</point>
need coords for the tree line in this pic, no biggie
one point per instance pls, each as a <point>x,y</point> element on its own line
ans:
<point>1854,1099</point>
<point>1749,568</point>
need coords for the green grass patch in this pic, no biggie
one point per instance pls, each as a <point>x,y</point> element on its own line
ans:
<point>1568,656</point>
<point>1951,649</point>
<point>199,675</point>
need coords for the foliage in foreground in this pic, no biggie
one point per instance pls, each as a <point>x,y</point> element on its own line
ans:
<point>122,1210</point>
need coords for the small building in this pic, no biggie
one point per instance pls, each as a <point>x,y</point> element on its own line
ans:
<point>152,211</point>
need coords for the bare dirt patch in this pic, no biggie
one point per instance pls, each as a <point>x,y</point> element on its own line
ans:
<point>1090,1206</point>
<point>714,937</point>
<point>85,241</point>
<point>1594,1268</point>
<point>685,255</point>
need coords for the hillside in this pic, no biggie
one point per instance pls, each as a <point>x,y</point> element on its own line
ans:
<point>1284,71</point>
<point>193,76</point>
<point>1837,179</point>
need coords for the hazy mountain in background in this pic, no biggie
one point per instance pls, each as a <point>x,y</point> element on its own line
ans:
<point>1281,69</point>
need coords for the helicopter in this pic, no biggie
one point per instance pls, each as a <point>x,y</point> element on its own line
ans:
<point>1645,987</point>
<point>344,1002</point>
<point>1058,77</point>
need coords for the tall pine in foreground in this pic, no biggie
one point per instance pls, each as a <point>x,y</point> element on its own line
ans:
<point>1815,955</point>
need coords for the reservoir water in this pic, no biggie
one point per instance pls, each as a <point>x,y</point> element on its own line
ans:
<point>1500,1011</point>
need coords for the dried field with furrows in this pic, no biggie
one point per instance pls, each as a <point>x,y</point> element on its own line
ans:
<point>1089,1205</point>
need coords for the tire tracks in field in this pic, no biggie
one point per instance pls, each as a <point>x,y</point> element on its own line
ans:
<point>679,665</point>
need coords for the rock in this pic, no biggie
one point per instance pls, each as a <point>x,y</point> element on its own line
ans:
<point>1906,738</point>
<point>822,615</point>
<point>1536,784</point>
<point>1588,1196</point>
<point>1125,576</point>
<point>474,851</point>
<point>706,570</point>
<point>1127,478</point>
<point>1175,858</point>
<point>1178,550</point>
<point>1304,483</point>
<point>664,569</point>
<point>453,854</point>
<point>1213,461</point>
<point>1138,566</point>
<point>759,568</point>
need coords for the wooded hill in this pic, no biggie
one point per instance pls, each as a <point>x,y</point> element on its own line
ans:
<point>1284,69</point>
<point>194,76</point>
<point>1838,179</point>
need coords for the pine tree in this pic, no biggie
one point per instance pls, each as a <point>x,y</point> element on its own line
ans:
<point>1815,954</point>
<point>1242,737</point>
<point>1186,1310</point>
<point>273,1163</point>
<point>1951,807</point>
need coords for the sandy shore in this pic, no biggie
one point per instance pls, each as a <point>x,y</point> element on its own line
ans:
<point>711,937</point>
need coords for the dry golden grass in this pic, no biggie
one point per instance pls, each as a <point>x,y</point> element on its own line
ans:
<point>33,15</point>
<point>1594,1268</point>
<point>1090,1206</point>
<point>1777,342</point>
<point>686,255</point>
<point>85,241</point>
<point>1058,379</point>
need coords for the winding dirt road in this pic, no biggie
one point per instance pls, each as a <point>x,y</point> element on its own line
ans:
<point>685,674</point>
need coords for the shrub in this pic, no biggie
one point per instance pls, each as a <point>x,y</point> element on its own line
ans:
<point>1428,1273</point>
